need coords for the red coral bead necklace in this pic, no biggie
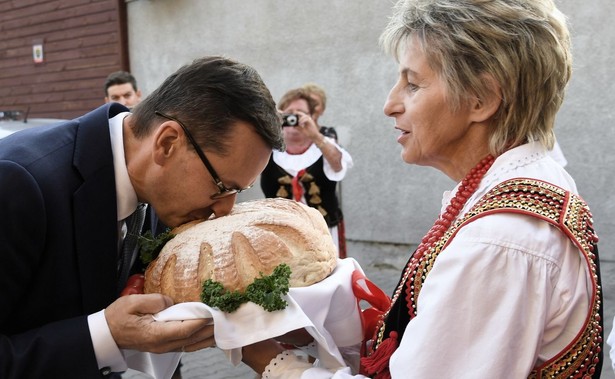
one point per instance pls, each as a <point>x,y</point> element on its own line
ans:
<point>466,189</point>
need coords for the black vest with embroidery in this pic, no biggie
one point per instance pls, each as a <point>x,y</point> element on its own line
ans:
<point>318,190</point>
<point>583,357</point>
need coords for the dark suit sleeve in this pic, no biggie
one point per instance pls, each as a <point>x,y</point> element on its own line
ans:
<point>22,231</point>
<point>56,349</point>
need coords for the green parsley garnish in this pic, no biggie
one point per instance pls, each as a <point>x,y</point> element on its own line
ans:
<point>150,246</point>
<point>266,291</point>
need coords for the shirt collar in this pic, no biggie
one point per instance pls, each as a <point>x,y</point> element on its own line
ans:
<point>293,163</point>
<point>510,160</point>
<point>126,196</point>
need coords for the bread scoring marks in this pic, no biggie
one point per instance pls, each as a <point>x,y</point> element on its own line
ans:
<point>254,238</point>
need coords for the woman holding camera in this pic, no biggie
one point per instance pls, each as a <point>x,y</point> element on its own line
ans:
<point>312,165</point>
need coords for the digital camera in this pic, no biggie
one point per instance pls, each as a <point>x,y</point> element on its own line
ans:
<point>290,120</point>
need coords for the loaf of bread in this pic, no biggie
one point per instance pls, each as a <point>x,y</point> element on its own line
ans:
<point>235,249</point>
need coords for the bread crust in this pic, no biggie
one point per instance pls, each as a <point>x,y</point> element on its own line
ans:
<point>235,249</point>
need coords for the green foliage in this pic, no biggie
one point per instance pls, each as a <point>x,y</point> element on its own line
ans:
<point>150,246</point>
<point>266,291</point>
<point>216,296</point>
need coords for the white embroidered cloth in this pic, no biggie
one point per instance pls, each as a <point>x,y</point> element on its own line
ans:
<point>308,307</point>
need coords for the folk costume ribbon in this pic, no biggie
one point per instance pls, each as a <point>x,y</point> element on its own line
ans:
<point>298,187</point>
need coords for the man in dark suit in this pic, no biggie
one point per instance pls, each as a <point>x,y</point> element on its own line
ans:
<point>65,190</point>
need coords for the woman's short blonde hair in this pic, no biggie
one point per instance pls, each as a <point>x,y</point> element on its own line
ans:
<point>297,94</point>
<point>315,89</point>
<point>524,45</point>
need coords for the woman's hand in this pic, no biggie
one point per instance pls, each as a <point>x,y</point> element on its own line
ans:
<point>308,127</point>
<point>299,337</point>
<point>258,355</point>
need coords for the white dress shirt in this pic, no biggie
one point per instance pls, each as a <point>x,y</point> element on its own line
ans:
<point>105,348</point>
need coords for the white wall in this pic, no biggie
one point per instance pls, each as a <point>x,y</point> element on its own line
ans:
<point>335,43</point>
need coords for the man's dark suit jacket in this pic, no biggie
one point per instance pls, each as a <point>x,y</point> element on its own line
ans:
<point>58,245</point>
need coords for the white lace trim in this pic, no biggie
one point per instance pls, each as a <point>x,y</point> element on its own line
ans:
<point>286,365</point>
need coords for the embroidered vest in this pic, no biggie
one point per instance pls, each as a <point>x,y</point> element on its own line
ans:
<point>318,190</point>
<point>582,357</point>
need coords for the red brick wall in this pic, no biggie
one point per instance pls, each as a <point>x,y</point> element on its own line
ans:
<point>83,41</point>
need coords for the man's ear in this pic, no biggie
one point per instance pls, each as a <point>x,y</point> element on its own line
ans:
<point>485,106</point>
<point>166,141</point>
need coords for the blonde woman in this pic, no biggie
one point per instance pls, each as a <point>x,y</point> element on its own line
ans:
<point>506,283</point>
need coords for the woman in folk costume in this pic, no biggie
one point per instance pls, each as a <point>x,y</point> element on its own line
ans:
<point>310,167</point>
<point>506,283</point>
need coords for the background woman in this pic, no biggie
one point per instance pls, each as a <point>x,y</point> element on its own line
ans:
<point>311,167</point>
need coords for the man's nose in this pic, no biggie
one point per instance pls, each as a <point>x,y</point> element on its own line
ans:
<point>223,206</point>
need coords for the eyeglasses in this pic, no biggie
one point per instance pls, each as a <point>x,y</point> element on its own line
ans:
<point>223,191</point>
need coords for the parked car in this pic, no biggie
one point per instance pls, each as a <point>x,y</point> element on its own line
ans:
<point>12,121</point>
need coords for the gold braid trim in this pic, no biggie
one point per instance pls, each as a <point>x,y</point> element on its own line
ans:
<point>572,216</point>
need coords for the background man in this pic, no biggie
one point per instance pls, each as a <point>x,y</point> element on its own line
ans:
<point>121,87</point>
